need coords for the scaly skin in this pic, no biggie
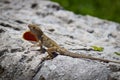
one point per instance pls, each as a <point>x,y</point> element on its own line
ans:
<point>54,47</point>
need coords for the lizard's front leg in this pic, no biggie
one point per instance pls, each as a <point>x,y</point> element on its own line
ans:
<point>39,44</point>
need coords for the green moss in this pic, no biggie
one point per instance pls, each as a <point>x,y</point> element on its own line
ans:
<point>117,53</point>
<point>97,48</point>
<point>106,9</point>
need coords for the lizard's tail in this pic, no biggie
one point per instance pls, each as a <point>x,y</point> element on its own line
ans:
<point>75,55</point>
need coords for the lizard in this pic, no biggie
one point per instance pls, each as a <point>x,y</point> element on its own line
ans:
<point>43,40</point>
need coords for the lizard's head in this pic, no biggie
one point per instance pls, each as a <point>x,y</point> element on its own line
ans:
<point>35,30</point>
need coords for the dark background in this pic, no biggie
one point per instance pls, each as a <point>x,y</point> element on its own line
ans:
<point>105,9</point>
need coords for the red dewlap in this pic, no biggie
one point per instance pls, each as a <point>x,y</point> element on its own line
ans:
<point>29,36</point>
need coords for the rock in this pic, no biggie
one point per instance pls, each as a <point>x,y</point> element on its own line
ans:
<point>19,61</point>
<point>66,68</point>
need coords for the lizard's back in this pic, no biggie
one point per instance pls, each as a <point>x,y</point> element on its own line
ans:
<point>47,42</point>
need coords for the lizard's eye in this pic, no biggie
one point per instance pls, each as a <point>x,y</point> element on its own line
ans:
<point>33,27</point>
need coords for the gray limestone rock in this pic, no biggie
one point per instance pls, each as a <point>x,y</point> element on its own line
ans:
<point>20,61</point>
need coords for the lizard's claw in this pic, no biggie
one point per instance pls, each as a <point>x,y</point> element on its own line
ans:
<point>46,58</point>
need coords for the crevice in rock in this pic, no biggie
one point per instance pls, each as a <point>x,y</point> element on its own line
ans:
<point>19,21</point>
<point>16,50</point>
<point>34,5</point>
<point>2,52</point>
<point>54,6</point>
<point>2,31</point>
<point>38,68</point>
<point>23,58</point>
<point>8,25</point>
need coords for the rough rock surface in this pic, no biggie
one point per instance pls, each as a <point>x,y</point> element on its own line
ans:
<point>18,61</point>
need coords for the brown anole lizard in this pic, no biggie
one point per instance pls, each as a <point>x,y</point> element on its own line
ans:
<point>52,46</point>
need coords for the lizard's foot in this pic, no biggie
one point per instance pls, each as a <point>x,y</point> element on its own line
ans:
<point>46,58</point>
<point>43,50</point>
<point>36,45</point>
